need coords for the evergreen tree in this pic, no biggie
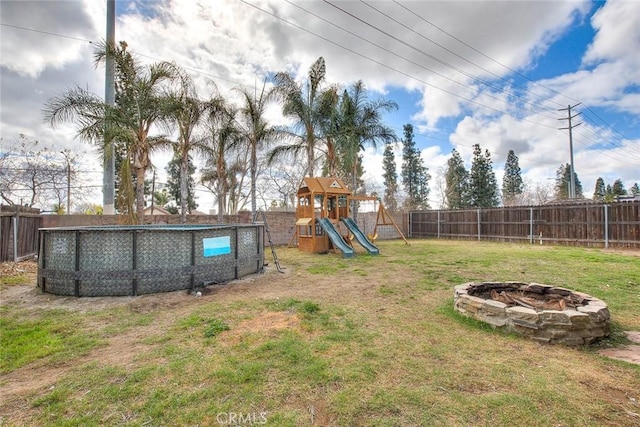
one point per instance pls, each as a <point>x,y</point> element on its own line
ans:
<point>390,178</point>
<point>600,190</point>
<point>512,185</point>
<point>618,188</point>
<point>563,180</point>
<point>483,186</point>
<point>415,176</point>
<point>457,182</point>
<point>635,189</point>
<point>173,182</point>
<point>608,194</point>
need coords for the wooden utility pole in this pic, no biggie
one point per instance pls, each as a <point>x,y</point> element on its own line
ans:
<point>572,179</point>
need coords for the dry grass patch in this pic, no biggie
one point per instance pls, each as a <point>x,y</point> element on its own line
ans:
<point>366,341</point>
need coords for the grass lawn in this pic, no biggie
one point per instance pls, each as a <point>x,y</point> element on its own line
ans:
<point>368,341</point>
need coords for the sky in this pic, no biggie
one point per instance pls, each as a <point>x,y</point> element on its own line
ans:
<point>496,73</point>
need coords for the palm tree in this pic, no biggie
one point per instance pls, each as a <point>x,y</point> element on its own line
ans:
<point>360,124</point>
<point>223,136</point>
<point>310,108</point>
<point>139,105</point>
<point>186,112</point>
<point>329,125</point>
<point>254,127</point>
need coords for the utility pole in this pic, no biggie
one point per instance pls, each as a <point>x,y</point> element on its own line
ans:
<point>66,155</point>
<point>108,176</point>
<point>572,181</point>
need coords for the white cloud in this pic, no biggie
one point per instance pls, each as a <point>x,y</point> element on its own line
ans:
<point>618,28</point>
<point>29,53</point>
<point>232,43</point>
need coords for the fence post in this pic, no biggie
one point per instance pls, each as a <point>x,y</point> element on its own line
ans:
<point>14,219</point>
<point>478,224</point>
<point>438,224</point>
<point>606,226</point>
<point>531,226</point>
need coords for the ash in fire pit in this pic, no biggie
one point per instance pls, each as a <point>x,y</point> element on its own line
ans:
<point>541,312</point>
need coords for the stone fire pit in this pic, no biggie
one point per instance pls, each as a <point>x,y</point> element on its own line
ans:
<point>540,312</point>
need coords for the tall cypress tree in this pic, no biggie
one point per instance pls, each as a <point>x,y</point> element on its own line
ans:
<point>415,176</point>
<point>600,190</point>
<point>483,186</point>
<point>390,176</point>
<point>512,185</point>
<point>457,182</point>
<point>618,188</point>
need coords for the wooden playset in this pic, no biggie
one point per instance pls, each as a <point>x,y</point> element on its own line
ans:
<point>323,222</point>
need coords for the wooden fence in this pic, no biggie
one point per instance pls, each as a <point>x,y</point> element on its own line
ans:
<point>18,233</point>
<point>616,224</point>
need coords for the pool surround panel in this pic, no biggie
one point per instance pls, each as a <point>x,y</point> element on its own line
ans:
<point>137,260</point>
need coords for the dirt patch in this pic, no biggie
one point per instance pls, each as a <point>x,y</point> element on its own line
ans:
<point>363,293</point>
<point>123,349</point>
<point>18,268</point>
<point>623,251</point>
<point>269,321</point>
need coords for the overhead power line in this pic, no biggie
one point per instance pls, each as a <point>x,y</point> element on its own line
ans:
<point>471,101</point>
<point>49,33</point>
<point>465,85</point>
<point>516,72</point>
<point>588,112</point>
<point>445,63</point>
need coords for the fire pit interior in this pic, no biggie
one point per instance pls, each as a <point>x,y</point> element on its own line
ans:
<point>541,312</point>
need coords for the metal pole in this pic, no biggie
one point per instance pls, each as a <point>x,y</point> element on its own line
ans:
<point>68,188</point>
<point>15,237</point>
<point>572,192</point>
<point>606,226</point>
<point>531,226</point>
<point>108,180</point>
<point>572,178</point>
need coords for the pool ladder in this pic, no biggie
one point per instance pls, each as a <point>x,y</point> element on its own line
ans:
<point>266,229</point>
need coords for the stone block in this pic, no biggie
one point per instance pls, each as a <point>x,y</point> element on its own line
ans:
<point>522,313</point>
<point>497,321</point>
<point>578,320</point>
<point>596,313</point>
<point>461,289</point>
<point>523,327</point>
<point>525,324</point>
<point>554,317</point>
<point>494,307</point>
<point>557,334</point>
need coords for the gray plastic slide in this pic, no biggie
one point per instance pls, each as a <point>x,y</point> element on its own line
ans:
<point>360,237</point>
<point>336,238</point>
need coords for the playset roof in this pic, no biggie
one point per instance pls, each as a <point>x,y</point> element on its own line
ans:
<point>326,185</point>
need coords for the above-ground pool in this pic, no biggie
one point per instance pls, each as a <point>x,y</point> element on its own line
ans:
<point>136,260</point>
